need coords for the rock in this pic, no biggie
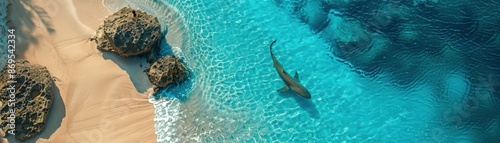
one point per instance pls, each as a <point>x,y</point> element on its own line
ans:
<point>34,93</point>
<point>2,135</point>
<point>128,32</point>
<point>166,71</point>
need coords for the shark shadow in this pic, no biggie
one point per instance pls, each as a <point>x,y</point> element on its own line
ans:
<point>305,104</point>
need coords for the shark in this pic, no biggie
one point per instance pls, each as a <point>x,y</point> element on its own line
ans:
<point>290,83</point>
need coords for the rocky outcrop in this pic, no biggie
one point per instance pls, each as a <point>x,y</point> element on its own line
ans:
<point>2,135</point>
<point>128,32</point>
<point>167,71</point>
<point>34,93</point>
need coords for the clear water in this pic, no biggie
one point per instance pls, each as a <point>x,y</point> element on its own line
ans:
<point>402,95</point>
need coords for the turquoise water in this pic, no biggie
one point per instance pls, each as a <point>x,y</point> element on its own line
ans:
<point>231,95</point>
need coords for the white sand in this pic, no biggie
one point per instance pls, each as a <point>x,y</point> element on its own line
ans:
<point>102,105</point>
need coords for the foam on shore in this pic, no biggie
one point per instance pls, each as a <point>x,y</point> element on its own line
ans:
<point>167,110</point>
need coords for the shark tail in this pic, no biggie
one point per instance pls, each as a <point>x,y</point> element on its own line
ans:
<point>271,48</point>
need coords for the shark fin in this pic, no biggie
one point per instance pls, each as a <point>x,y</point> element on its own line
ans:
<point>296,77</point>
<point>283,89</point>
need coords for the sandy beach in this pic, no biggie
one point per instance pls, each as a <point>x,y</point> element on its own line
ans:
<point>101,103</point>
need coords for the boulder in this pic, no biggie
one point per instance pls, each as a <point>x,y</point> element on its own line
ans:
<point>167,71</point>
<point>128,32</point>
<point>34,93</point>
<point>2,135</point>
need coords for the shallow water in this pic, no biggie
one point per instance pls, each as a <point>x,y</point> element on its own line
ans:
<point>393,92</point>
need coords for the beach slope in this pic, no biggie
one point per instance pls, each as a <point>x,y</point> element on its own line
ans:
<point>102,105</point>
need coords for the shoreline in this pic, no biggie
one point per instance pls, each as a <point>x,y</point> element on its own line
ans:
<point>100,100</point>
